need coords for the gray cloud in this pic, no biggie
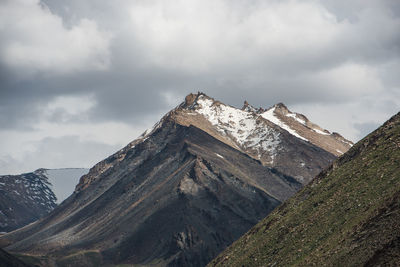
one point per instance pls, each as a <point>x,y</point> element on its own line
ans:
<point>366,127</point>
<point>138,59</point>
<point>67,151</point>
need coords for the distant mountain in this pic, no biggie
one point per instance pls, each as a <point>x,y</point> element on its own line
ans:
<point>27,197</point>
<point>185,189</point>
<point>347,216</point>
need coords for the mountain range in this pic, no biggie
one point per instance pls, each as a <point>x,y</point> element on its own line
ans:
<point>185,189</point>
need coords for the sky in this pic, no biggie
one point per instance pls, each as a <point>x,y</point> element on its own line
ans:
<point>79,79</point>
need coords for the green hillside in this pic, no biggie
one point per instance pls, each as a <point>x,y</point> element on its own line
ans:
<point>348,216</point>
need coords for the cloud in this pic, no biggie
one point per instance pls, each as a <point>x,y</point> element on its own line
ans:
<point>63,152</point>
<point>35,40</point>
<point>64,109</point>
<point>111,69</point>
<point>196,36</point>
<point>64,136</point>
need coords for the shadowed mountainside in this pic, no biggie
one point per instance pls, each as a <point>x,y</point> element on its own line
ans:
<point>8,260</point>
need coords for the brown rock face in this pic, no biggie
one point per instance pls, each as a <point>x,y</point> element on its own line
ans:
<point>180,193</point>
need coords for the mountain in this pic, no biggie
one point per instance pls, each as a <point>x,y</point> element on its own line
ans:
<point>27,197</point>
<point>8,260</point>
<point>349,215</point>
<point>183,191</point>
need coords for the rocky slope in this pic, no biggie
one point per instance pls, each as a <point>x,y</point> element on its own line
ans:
<point>27,197</point>
<point>181,192</point>
<point>8,260</point>
<point>24,198</point>
<point>348,216</point>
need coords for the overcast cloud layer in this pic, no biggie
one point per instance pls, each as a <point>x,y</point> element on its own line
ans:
<point>80,79</point>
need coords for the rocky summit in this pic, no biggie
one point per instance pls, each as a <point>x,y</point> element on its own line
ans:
<point>184,190</point>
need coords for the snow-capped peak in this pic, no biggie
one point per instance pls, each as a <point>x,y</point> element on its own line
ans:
<point>241,126</point>
<point>270,115</point>
<point>245,127</point>
<point>249,128</point>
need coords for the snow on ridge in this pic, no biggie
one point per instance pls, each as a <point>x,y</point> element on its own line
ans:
<point>347,143</point>
<point>269,115</point>
<point>320,132</point>
<point>242,125</point>
<point>149,131</point>
<point>294,116</point>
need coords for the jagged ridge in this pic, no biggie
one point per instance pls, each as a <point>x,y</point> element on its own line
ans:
<point>249,130</point>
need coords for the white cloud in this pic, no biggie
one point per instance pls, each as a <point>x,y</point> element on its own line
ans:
<point>347,117</point>
<point>34,39</point>
<point>63,152</point>
<point>55,145</point>
<point>335,61</point>
<point>197,35</point>
<point>64,109</point>
<point>346,82</point>
<point>64,137</point>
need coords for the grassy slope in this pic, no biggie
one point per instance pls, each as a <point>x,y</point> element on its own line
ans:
<point>348,216</point>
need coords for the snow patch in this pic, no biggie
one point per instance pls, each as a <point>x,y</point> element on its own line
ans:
<point>347,143</point>
<point>219,155</point>
<point>269,115</point>
<point>241,126</point>
<point>294,116</point>
<point>320,132</point>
